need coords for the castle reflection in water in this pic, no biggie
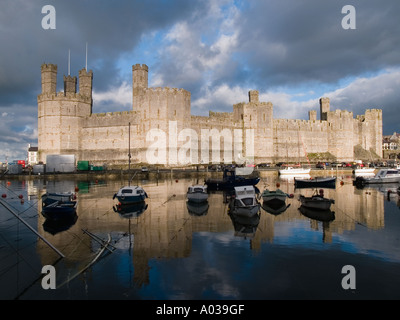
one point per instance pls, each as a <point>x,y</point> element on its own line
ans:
<point>166,226</point>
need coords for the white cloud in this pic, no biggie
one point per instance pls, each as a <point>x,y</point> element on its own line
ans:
<point>121,96</point>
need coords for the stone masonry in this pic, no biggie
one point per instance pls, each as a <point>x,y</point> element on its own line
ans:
<point>162,129</point>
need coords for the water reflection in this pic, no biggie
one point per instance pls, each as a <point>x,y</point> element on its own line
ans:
<point>167,230</point>
<point>132,210</point>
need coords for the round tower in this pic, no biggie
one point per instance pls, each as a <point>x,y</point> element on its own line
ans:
<point>140,76</point>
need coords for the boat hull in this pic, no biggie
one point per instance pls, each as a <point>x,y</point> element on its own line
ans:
<point>315,183</point>
<point>293,171</point>
<point>274,196</point>
<point>364,171</point>
<point>374,180</point>
<point>220,184</point>
<point>197,197</point>
<point>316,202</point>
<point>245,211</point>
<point>56,206</point>
<point>131,199</point>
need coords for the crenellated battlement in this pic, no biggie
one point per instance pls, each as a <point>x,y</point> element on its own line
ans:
<point>159,91</point>
<point>64,96</point>
<point>66,123</point>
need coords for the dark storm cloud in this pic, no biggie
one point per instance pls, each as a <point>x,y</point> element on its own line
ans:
<point>288,42</point>
<point>110,27</point>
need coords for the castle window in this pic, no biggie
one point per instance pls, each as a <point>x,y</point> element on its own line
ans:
<point>158,113</point>
<point>250,117</point>
<point>174,112</point>
<point>241,116</point>
<point>264,117</point>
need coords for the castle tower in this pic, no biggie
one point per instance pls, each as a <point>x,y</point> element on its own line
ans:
<point>69,84</point>
<point>253,96</point>
<point>60,114</point>
<point>140,76</point>
<point>256,118</point>
<point>324,108</point>
<point>49,78</point>
<point>86,84</point>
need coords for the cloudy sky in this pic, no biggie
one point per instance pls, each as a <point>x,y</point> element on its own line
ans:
<point>292,51</point>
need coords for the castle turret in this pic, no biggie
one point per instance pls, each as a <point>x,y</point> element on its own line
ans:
<point>60,114</point>
<point>253,96</point>
<point>49,78</point>
<point>140,76</point>
<point>324,108</point>
<point>69,84</point>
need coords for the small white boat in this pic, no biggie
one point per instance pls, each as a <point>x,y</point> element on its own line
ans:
<point>364,170</point>
<point>294,171</point>
<point>383,176</point>
<point>316,201</point>
<point>244,202</point>
<point>130,195</point>
<point>197,193</point>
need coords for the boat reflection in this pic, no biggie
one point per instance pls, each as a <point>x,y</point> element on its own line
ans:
<point>61,223</point>
<point>245,226</point>
<point>290,177</point>
<point>323,215</point>
<point>133,210</point>
<point>275,208</point>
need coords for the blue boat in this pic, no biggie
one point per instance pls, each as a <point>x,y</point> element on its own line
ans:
<point>130,195</point>
<point>230,180</point>
<point>57,205</point>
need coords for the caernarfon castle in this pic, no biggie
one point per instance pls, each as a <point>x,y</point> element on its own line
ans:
<point>160,128</point>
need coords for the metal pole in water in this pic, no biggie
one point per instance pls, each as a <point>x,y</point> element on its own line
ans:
<point>5,205</point>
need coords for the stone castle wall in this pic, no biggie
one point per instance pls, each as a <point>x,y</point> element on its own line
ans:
<point>162,117</point>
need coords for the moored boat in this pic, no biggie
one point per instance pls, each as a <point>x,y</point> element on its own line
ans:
<point>294,171</point>
<point>55,205</point>
<point>230,180</point>
<point>316,201</point>
<point>364,170</point>
<point>317,182</point>
<point>382,176</point>
<point>130,194</point>
<point>197,193</point>
<point>271,196</point>
<point>244,202</point>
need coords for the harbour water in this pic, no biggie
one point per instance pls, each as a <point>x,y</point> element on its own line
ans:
<point>168,250</point>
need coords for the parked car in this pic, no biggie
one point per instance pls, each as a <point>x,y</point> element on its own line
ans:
<point>337,164</point>
<point>320,165</point>
<point>145,169</point>
<point>264,165</point>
